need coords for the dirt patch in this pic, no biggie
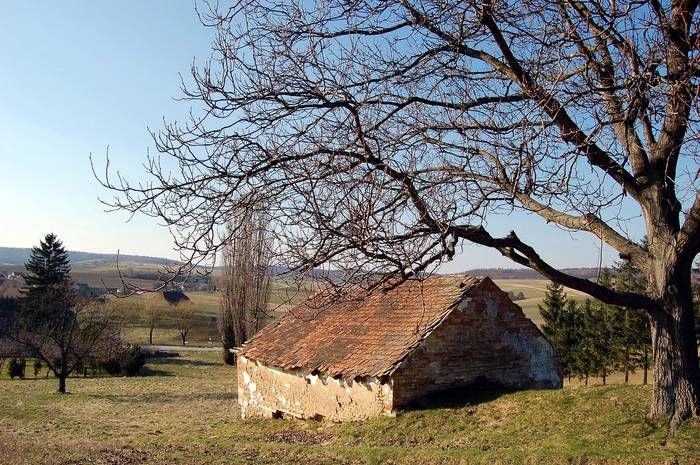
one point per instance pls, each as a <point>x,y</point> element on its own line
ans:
<point>112,456</point>
<point>292,436</point>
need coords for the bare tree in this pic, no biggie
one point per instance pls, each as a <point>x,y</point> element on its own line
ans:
<point>152,316</point>
<point>246,280</point>
<point>384,133</point>
<point>70,331</point>
<point>183,316</point>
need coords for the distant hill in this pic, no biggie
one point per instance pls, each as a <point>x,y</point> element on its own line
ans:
<point>527,273</point>
<point>18,256</point>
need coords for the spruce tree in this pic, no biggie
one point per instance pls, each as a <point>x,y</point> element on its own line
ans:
<point>558,324</point>
<point>587,354</point>
<point>48,266</point>
<point>47,279</point>
<point>635,331</point>
<point>47,318</point>
<point>607,327</point>
<point>569,334</point>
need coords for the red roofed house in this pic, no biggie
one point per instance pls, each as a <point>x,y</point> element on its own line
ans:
<point>345,359</point>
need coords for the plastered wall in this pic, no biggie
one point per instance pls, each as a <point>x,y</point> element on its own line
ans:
<point>267,391</point>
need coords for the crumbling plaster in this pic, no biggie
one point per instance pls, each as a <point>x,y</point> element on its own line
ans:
<point>267,392</point>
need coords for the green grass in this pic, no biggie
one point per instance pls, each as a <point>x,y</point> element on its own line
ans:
<point>185,412</point>
<point>534,291</point>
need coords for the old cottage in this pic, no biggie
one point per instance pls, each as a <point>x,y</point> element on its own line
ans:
<point>345,359</point>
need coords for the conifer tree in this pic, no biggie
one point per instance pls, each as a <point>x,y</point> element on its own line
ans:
<point>47,277</point>
<point>570,328</point>
<point>559,324</point>
<point>635,331</point>
<point>552,306</point>
<point>606,326</point>
<point>47,266</point>
<point>587,358</point>
<point>54,322</point>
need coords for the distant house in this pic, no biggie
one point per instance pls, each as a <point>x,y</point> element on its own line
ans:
<point>175,296</point>
<point>356,358</point>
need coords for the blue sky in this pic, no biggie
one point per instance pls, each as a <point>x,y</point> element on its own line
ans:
<point>79,77</point>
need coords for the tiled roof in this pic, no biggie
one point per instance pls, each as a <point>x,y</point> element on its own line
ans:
<point>174,296</point>
<point>358,337</point>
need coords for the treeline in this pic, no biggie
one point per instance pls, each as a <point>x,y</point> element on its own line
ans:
<point>596,339</point>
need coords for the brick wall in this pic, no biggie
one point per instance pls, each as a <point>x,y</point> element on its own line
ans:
<point>486,336</point>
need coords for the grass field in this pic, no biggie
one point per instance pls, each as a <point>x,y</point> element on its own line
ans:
<point>534,291</point>
<point>185,412</point>
<point>205,307</point>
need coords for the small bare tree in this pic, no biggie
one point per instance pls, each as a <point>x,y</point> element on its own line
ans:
<point>152,315</point>
<point>55,322</point>
<point>246,281</point>
<point>183,316</point>
<point>70,331</point>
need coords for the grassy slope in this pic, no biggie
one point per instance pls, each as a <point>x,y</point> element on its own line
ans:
<point>186,413</point>
<point>534,291</point>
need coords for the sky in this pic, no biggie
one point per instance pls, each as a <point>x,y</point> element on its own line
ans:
<point>83,78</point>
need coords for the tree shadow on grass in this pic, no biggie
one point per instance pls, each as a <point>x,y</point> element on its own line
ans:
<point>177,361</point>
<point>460,397</point>
<point>148,371</point>
<point>165,398</point>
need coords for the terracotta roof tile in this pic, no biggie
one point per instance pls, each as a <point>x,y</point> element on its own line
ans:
<point>358,337</point>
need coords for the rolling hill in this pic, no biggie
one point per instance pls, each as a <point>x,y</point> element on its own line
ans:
<point>19,255</point>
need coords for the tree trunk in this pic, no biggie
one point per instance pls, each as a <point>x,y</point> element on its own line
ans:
<point>646,367</point>
<point>676,375</point>
<point>62,384</point>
